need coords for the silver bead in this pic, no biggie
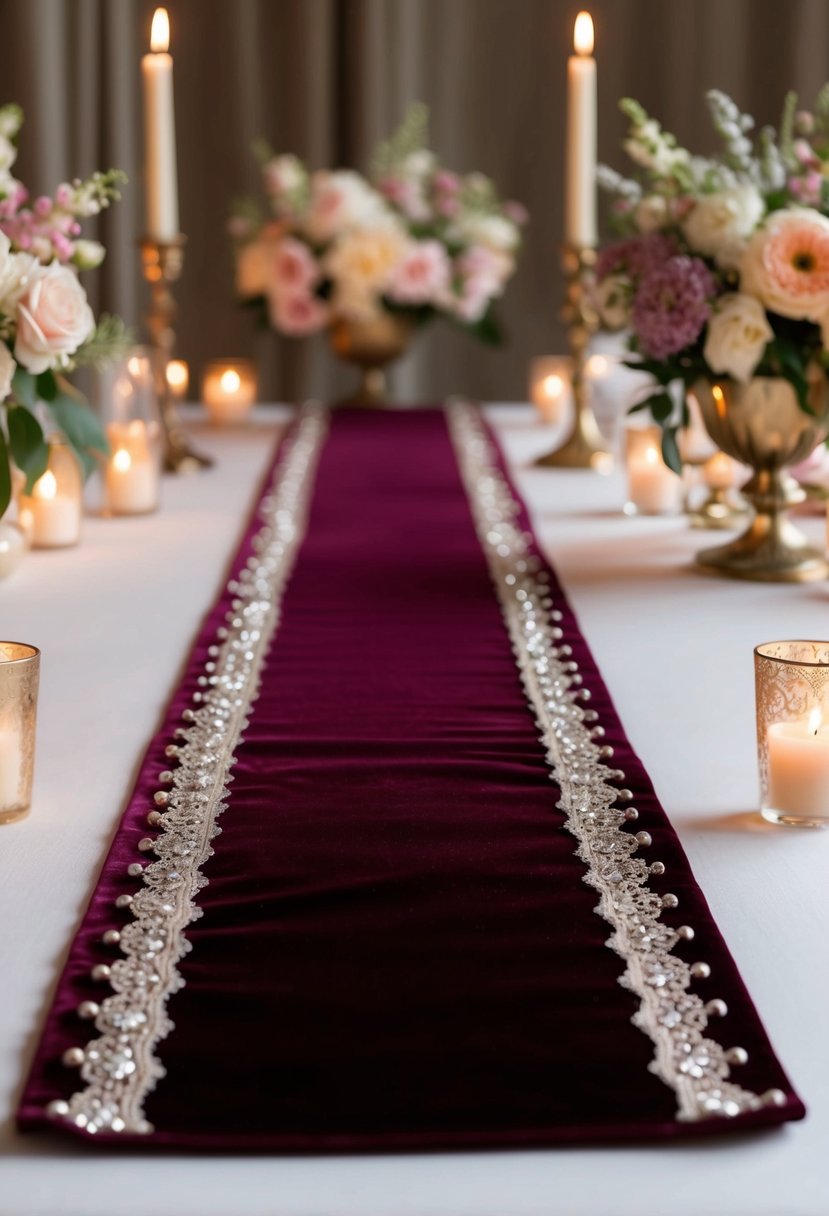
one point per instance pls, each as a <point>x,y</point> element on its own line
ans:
<point>145,844</point>
<point>88,1010</point>
<point>623,796</point>
<point>631,814</point>
<point>123,901</point>
<point>57,1109</point>
<point>606,751</point>
<point>154,819</point>
<point>657,868</point>
<point>716,1008</point>
<point>161,798</point>
<point>644,839</point>
<point>597,732</point>
<point>774,1097</point>
<point>188,715</point>
<point>166,777</point>
<point>670,901</point>
<point>111,938</point>
<point>736,1055</point>
<point>590,715</point>
<point>700,971</point>
<point>73,1057</point>
<point>686,933</point>
<point>135,869</point>
<point>100,972</point>
<point>583,694</point>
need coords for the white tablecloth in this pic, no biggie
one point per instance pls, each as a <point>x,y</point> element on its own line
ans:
<point>114,618</point>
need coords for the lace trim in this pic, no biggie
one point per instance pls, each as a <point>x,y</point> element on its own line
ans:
<point>695,1067</point>
<point>120,1067</point>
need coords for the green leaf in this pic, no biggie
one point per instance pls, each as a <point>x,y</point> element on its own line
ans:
<point>81,428</point>
<point>661,406</point>
<point>5,474</point>
<point>670,449</point>
<point>24,388</point>
<point>28,445</point>
<point>47,388</point>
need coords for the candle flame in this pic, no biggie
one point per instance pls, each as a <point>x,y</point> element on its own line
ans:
<point>719,399</point>
<point>46,487</point>
<point>597,366</point>
<point>815,720</point>
<point>160,32</point>
<point>553,385</point>
<point>121,460</point>
<point>651,456</point>
<point>177,374</point>
<point>583,34</point>
<point>230,381</point>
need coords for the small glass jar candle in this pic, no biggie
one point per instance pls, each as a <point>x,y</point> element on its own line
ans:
<point>550,386</point>
<point>51,515</point>
<point>178,379</point>
<point>128,405</point>
<point>792,699</point>
<point>653,488</point>
<point>19,676</point>
<point>229,390</point>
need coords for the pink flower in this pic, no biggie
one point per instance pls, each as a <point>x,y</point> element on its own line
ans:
<point>446,182</point>
<point>294,267</point>
<point>636,256</point>
<point>516,212</point>
<point>423,276</point>
<point>672,305</point>
<point>298,313</point>
<point>53,319</point>
<point>786,264</point>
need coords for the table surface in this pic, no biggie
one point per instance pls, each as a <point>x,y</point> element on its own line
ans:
<point>114,619</point>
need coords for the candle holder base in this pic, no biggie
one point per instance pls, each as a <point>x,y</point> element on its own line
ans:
<point>720,510</point>
<point>781,819</point>
<point>162,263</point>
<point>584,448</point>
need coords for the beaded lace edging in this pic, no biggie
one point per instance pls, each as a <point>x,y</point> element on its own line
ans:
<point>695,1067</point>
<point>120,1067</point>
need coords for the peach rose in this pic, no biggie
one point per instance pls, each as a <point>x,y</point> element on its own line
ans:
<point>53,319</point>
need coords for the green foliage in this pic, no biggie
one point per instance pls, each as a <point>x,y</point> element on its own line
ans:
<point>80,426</point>
<point>411,136</point>
<point>28,444</point>
<point>110,340</point>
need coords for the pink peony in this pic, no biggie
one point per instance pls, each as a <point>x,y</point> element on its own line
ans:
<point>423,276</point>
<point>298,313</point>
<point>294,267</point>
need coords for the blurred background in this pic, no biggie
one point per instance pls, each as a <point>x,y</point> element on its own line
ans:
<point>326,79</point>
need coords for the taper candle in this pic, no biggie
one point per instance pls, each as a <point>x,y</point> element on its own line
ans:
<point>161,183</point>
<point>580,167</point>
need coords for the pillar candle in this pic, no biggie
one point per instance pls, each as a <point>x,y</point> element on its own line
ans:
<point>161,184</point>
<point>11,764</point>
<point>653,489</point>
<point>52,514</point>
<point>229,389</point>
<point>132,473</point>
<point>799,767</point>
<point>580,165</point>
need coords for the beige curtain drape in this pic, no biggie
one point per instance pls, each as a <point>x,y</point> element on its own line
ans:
<point>326,79</point>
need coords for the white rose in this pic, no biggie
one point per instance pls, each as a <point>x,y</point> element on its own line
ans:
<point>737,336</point>
<point>7,369</point>
<point>53,319</point>
<point>492,231</point>
<point>720,224</point>
<point>651,213</point>
<point>612,298</point>
<point>786,264</point>
<point>341,201</point>
<point>16,272</point>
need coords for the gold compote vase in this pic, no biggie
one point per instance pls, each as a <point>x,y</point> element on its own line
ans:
<point>372,345</point>
<point>762,425</point>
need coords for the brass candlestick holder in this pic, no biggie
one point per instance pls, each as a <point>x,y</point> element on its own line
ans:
<point>584,447</point>
<point>161,262</point>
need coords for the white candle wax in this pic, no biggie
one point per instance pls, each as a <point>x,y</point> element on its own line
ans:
<point>131,474</point>
<point>161,182</point>
<point>580,160</point>
<point>229,391</point>
<point>52,516</point>
<point>11,764</point>
<point>653,488</point>
<point>550,386</point>
<point>799,769</point>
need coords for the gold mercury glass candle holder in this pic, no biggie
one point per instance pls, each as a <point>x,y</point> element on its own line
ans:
<point>19,678</point>
<point>162,263</point>
<point>792,697</point>
<point>584,447</point>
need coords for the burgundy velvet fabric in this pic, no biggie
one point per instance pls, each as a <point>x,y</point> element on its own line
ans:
<point>398,949</point>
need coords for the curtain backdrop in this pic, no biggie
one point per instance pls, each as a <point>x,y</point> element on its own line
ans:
<point>326,79</point>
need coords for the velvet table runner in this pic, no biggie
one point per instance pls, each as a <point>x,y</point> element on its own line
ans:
<point>445,908</point>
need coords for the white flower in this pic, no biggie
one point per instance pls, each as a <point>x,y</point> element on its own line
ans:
<point>88,255</point>
<point>341,201</point>
<point>720,224</point>
<point>7,370</point>
<point>419,164</point>
<point>612,298</point>
<point>649,147</point>
<point>53,319</point>
<point>492,231</point>
<point>737,336</point>
<point>363,263</point>
<point>786,264</point>
<point>8,153</point>
<point>16,272</point>
<point>651,213</point>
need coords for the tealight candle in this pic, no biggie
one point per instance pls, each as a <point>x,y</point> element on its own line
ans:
<point>792,683</point>
<point>229,389</point>
<point>19,676</point>
<point>178,378</point>
<point>132,475</point>
<point>550,386</point>
<point>51,514</point>
<point>653,489</point>
<point>720,471</point>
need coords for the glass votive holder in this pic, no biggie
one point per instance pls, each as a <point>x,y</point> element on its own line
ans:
<point>51,515</point>
<point>792,698</point>
<point>229,390</point>
<point>653,488</point>
<point>550,386</point>
<point>19,676</point>
<point>128,405</point>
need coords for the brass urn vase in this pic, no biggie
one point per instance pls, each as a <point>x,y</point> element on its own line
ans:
<point>372,345</point>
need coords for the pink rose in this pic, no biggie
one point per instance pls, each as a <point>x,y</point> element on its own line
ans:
<point>298,313</point>
<point>423,276</point>
<point>294,267</point>
<point>53,319</point>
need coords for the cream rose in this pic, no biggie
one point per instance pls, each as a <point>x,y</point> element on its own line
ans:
<point>53,319</point>
<point>737,336</point>
<point>612,299</point>
<point>786,264</point>
<point>720,224</point>
<point>651,213</point>
<point>7,369</point>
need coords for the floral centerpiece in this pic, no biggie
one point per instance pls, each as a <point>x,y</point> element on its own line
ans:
<point>47,327</point>
<point>412,241</point>
<point>722,276</point>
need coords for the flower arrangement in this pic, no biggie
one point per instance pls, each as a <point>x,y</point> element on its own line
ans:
<point>413,238</point>
<point>723,265</point>
<point>47,327</point>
